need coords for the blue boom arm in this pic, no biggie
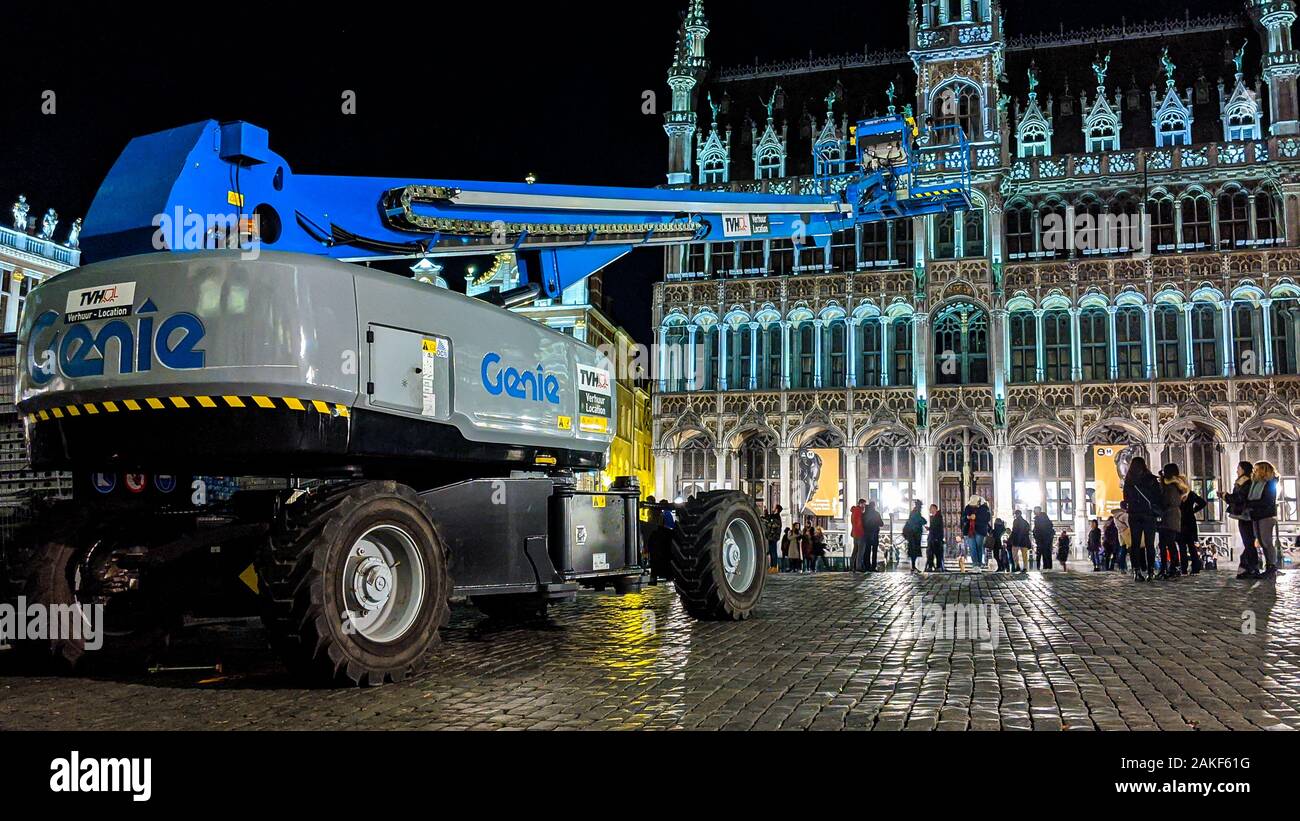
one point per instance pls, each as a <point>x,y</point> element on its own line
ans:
<point>194,187</point>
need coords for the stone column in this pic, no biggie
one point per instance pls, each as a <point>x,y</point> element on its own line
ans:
<point>1040,345</point>
<point>1076,345</point>
<point>721,454</point>
<point>663,359</point>
<point>1003,489</point>
<point>1190,370</point>
<point>1267,310</point>
<point>1229,352</point>
<point>785,354</point>
<point>754,364</point>
<point>785,454</point>
<point>1080,454</point>
<point>819,331</point>
<point>851,455</point>
<point>724,363</point>
<point>692,359</point>
<point>1112,313</point>
<point>851,351</point>
<point>1149,340</point>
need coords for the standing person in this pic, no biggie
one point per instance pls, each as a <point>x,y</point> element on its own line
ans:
<point>997,547</point>
<point>1189,535</point>
<point>819,548</point>
<point>858,532</point>
<point>807,549</point>
<point>976,519</point>
<point>1110,545</point>
<point>786,560</point>
<point>936,543</point>
<point>873,523</point>
<point>1044,533</point>
<point>1063,550</point>
<point>1238,510</point>
<point>912,532</point>
<point>1174,489</point>
<point>1262,503</point>
<point>1143,498</point>
<point>1125,537</point>
<point>1021,541</point>
<point>1094,545</point>
<point>772,530</point>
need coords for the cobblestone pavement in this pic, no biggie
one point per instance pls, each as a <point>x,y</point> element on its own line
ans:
<point>1072,651</point>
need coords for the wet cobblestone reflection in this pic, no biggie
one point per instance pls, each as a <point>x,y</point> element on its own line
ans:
<point>1083,651</point>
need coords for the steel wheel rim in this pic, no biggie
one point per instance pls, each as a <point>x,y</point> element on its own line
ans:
<point>383,584</point>
<point>739,563</point>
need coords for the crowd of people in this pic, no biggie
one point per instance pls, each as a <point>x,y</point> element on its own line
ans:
<point>1154,534</point>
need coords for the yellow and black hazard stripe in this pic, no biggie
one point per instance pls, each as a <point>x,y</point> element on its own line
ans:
<point>938,192</point>
<point>186,403</point>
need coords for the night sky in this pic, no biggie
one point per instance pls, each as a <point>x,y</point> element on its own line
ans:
<point>484,90</point>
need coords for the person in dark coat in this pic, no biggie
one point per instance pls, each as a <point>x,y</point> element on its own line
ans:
<point>1189,537</point>
<point>998,548</point>
<point>1145,500</point>
<point>873,523</point>
<point>1022,541</point>
<point>1110,544</point>
<point>1174,489</point>
<point>936,543</point>
<point>1237,501</point>
<point>1063,550</point>
<point>912,532</point>
<point>1094,545</point>
<point>1044,533</point>
<point>976,518</point>
<point>787,561</point>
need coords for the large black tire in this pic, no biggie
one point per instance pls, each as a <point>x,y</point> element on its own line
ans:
<point>699,567</point>
<point>128,639</point>
<point>303,570</point>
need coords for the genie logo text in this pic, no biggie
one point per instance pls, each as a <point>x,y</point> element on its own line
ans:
<point>535,386</point>
<point>123,343</point>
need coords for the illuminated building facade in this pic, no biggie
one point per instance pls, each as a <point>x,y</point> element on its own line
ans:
<point>1129,278</point>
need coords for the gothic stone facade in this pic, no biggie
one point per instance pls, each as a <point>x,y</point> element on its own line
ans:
<point>993,351</point>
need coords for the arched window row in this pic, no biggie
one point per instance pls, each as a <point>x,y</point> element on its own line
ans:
<point>1231,219</point>
<point>797,354</point>
<point>880,245</point>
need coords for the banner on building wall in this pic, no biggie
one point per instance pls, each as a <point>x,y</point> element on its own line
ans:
<point>1110,464</point>
<point>817,483</point>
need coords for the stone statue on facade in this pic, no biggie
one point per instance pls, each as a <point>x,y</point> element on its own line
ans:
<point>74,234</point>
<point>770,105</point>
<point>20,211</point>
<point>1100,68</point>
<point>1240,58</point>
<point>1033,80</point>
<point>48,224</point>
<point>1168,66</point>
<point>715,108</point>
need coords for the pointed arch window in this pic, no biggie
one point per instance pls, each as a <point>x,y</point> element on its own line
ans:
<point>1033,141</point>
<point>900,353</point>
<point>771,357</point>
<point>1024,347</point>
<point>1128,343</point>
<point>1266,232</point>
<point>1168,348</point>
<point>1020,232</point>
<point>868,344</point>
<point>1164,231</point>
<point>1234,220</point>
<point>958,104</point>
<point>1094,344</point>
<point>697,467</point>
<point>805,355</point>
<point>962,346</point>
<point>1172,129</point>
<point>1246,348</point>
<point>835,344</point>
<point>1197,224</point>
<point>1286,336</point>
<point>1206,352</point>
<point>1057,346</point>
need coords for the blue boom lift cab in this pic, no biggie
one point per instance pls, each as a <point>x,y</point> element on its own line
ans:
<point>222,328</point>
